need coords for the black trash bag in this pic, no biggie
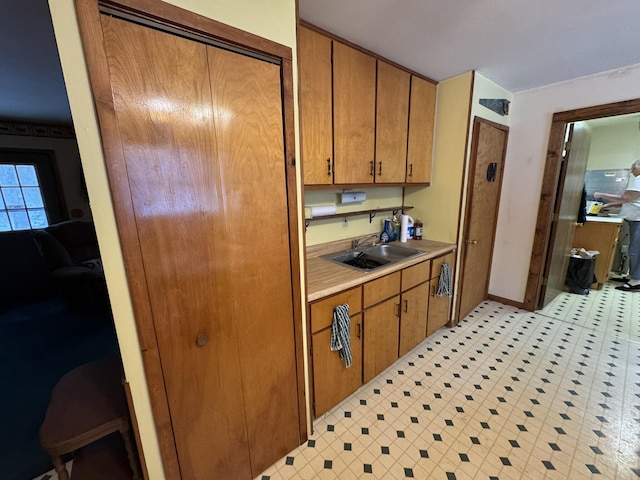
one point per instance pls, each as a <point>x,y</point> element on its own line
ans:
<point>580,275</point>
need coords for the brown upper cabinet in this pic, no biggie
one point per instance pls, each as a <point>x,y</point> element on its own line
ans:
<point>421,124</point>
<point>392,113</point>
<point>354,110</point>
<point>315,107</point>
<point>363,120</point>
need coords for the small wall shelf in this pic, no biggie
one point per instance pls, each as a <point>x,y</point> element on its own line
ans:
<point>372,213</point>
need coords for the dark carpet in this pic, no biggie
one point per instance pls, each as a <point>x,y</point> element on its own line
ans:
<point>39,343</point>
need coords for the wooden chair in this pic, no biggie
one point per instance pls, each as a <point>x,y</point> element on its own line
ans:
<point>88,404</point>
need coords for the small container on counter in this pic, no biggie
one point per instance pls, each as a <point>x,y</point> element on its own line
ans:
<point>417,229</point>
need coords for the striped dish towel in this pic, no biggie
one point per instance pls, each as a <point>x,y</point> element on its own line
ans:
<point>444,283</point>
<point>340,333</point>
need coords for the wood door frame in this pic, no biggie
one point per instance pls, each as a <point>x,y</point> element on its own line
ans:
<point>551,179</point>
<point>178,20</point>
<point>475,138</point>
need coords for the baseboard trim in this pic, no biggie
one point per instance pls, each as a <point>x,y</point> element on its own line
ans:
<point>507,301</point>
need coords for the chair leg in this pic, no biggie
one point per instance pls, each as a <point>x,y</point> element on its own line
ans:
<point>60,467</point>
<point>125,431</point>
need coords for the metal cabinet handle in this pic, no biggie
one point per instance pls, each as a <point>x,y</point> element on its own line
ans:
<point>358,330</point>
<point>411,169</point>
<point>372,164</point>
<point>328,167</point>
<point>397,309</point>
<point>380,169</point>
<point>406,306</point>
<point>202,339</point>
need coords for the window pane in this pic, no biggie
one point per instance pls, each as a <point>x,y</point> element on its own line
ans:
<point>13,198</point>
<point>27,175</point>
<point>19,219</point>
<point>8,176</point>
<point>5,226</point>
<point>38,218</point>
<point>32,197</point>
<point>2,205</point>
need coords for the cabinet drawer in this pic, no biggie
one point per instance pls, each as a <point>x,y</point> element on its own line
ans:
<point>381,289</point>
<point>416,274</point>
<point>436,263</point>
<point>322,310</point>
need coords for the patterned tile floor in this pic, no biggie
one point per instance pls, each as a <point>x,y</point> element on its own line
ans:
<point>507,394</point>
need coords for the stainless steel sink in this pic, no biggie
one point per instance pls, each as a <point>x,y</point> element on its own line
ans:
<point>370,258</point>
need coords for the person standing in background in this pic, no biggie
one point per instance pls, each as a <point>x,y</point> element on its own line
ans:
<point>629,203</point>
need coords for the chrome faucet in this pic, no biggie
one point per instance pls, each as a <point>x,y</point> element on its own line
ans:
<point>360,242</point>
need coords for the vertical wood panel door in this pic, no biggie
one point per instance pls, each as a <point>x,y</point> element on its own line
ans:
<point>314,52</point>
<point>202,138</point>
<point>421,124</point>
<point>381,330</point>
<point>392,117</point>
<point>483,197</point>
<point>354,114</point>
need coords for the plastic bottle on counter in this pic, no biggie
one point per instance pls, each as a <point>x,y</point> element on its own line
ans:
<point>417,229</point>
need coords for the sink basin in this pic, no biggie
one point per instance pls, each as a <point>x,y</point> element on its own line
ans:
<point>391,252</point>
<point>370,258</point>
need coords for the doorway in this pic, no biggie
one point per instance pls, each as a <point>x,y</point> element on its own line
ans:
<point>488,149</point>
<point>552,197</point>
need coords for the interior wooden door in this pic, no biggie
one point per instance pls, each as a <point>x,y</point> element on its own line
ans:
<point>202,139</point>
<point>354,114</point>
<point>392,117</point>
<point>563,225</point>
<point>489,146</point>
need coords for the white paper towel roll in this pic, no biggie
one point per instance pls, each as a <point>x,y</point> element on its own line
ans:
<point>323,210</point>
<point>405,222</point>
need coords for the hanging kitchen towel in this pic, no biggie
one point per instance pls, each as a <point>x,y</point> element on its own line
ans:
<point>444,284</point>
<point>340,333</point>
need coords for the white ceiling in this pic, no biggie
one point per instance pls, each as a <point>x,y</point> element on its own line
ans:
<point>517,44</point>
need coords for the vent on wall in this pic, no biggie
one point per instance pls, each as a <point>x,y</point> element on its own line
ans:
<point>498,105</point>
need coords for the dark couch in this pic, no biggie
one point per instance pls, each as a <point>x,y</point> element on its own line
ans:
<point>62,260</point>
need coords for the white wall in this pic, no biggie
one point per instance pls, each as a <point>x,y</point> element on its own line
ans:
<point>526,156</point>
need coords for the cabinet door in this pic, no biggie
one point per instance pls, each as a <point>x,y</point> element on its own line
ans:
<point>381,329</point>
<point>392,118</point>
<point>315,107</point>
<point>413,317</point>
<point>421,122</point>
<point>354,114</point>
<point>332,381</point>
<point>439,309</point>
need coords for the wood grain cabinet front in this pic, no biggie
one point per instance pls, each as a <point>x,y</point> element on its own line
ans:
<point>421,125</point>
<point>332,380</point>
<point>392,112</point>
<point>316,107</point>
<point>439,306</point>
<point>354,115</point>
<point>413,306</point>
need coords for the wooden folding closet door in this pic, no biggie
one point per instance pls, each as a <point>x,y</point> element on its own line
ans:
<point>201,131</point>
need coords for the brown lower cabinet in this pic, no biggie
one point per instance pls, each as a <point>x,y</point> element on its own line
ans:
<point>390,316</point>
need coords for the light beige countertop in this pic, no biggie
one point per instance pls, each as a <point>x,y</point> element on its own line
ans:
<point>325,277</point>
